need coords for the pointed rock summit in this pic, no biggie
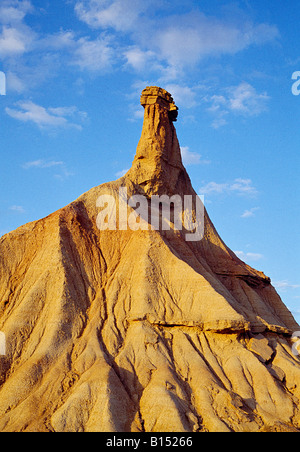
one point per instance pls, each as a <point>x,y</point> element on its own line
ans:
<point>157,166</point>
<point>119,329</point>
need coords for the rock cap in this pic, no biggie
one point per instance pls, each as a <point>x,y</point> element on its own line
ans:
<point>154,95</point>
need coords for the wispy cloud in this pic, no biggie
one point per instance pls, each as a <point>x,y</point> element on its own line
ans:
<point>249,256</point>
<point>238,186</point>
<point>59,167</point>
<point>46,117</point>
<point>250,213</point>
<point>135,114</point>
<point>246,100</point>
<point>285,285</point>
<point>14,11</point>
<point>32,57</point>
<point>213,188</point>
<point>15,41</point>
<point>16,38</point>
<point>121,173</point>
<point>123,35</point>
<point>41,164</point>
<point>219,122</point>
<point>192,158</point>
<point>198,35</point>
<point>242,99</point>
<point>121,15</point>
<point>17,209</point>
<point>185,96</point>
<point>138,59</point>
<point>96,55</point>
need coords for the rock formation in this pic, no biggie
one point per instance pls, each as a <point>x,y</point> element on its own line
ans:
<point>123,330</point>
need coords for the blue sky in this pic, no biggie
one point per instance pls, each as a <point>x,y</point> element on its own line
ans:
<point>71,118</point>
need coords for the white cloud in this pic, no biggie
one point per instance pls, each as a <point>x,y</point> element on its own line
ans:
<point>219,122</point>
<point>68,112</point>
<point>250,213</point>
<point>143,60</point>
<point>43,117</point>
<point>58,41</point>
<point>12,11</point>
<point>16,37</point>
<point>245,99</point>
<point>159,46</point>
<point>188,157</point>
<point>121,173</point>
<point>238,186</point>
<point>121,15</point>
<point>41,164</point>
<point>94,55</point>
<point>28,111</point>
<point>136,114</point>
<point>243,186</point>
<point>242,99</point>
<point>191,158</point>
<point>213,187</point>
<point>15,83</point>
<point>61,170</point>
<point>248,256</point>
<point>139,59</point>
<point>183,95</point>
<point>31,58</point>
<point>15,40</point>
<point>284,285</point>
<point>17,209</point>
<point>64,174</point>
<point>174,41</point>
<point>199,36</point>
<point>217,101</point>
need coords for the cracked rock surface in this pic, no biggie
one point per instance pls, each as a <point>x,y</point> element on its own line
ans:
<point>122,330</point>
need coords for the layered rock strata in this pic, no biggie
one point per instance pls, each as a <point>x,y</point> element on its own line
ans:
<point>122,330</point>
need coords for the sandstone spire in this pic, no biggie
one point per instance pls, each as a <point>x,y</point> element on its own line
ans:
<point>123,330</point>
<point>157,166</point>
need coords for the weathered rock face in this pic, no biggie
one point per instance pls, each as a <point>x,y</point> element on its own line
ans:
<point>123,330</point>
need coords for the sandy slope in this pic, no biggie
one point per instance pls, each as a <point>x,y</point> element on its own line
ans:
<point>140,330</point>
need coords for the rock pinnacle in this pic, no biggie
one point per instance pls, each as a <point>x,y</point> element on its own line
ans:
<point>134,330</point>
<point>157,167</point>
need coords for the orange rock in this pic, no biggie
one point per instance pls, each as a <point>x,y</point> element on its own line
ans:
<point>123,330</point>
